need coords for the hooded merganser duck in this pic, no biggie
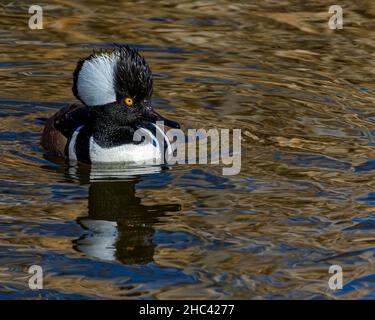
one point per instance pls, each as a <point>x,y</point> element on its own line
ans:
<point>115,89</point>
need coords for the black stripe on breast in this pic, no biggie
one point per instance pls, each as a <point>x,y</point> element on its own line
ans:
<point>83,145</point>
<point>68,119</point>
<point>152,129</point>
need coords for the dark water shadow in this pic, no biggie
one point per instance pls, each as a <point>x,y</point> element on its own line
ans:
<point>118,227</point>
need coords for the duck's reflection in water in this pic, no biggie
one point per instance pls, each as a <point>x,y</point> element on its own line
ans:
<point>119,227</point>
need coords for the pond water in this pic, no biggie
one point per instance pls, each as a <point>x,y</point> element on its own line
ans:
<point>303,96</point>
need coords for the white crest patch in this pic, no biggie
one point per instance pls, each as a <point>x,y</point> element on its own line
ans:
<point>95,82</point>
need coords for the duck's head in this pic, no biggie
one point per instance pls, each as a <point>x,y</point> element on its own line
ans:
<point>117,87</point>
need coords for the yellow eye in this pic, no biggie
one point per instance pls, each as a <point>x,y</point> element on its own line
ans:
<point>128,101</point>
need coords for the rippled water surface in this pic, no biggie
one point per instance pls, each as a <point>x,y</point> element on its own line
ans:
<point>304,200</point>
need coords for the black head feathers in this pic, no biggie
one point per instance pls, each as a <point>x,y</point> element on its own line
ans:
<point>133,76</point>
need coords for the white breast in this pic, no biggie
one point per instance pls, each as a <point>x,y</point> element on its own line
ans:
<point>143,153</point>
<point>125,153</point>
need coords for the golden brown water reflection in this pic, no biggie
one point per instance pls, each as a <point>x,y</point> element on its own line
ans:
<point>303,96</point>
